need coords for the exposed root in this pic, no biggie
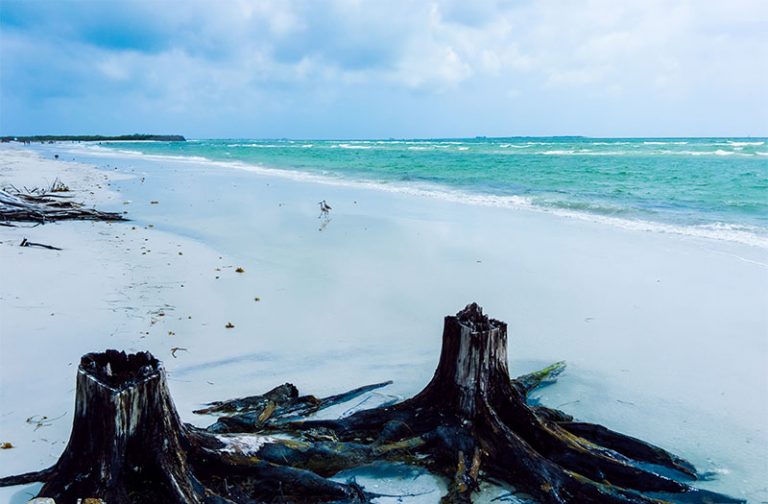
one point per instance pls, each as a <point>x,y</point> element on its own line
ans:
<point>281,404</point>
<point>26,478</point>
<point>629,447</point>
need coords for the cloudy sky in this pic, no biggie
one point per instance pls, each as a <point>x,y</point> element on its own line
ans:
<point>384,68</point>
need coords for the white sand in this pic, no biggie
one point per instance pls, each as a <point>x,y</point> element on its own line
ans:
<point>113,286</point>
<point>666,337</point>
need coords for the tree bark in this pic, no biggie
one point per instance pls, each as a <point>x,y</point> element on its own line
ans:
<point>473,358</point>
<point>127,440</point>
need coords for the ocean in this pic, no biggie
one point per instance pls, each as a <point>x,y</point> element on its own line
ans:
<point>706,187</point>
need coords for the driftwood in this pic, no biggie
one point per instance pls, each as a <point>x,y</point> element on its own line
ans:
<point>41,207</point>
<point>27,243</point>
<point>470,422</point>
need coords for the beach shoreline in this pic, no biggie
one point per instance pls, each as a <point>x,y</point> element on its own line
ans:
<point>612,199</point>
<point>686,372</point>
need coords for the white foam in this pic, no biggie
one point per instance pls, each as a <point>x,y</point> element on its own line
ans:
<point>258,146</point>
<point>665,143</point>
<point>127,141</point>
<point>718,152</point>
<point>513,146</point>
<point>98,150</point>
<point>350,146</point>
<point>582,152</point>
<point>744,144</point>
<point>716,231</point>
<point>291,145</point>
<point>110,152</point>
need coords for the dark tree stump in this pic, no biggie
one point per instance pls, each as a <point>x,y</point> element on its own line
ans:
<point>127,439</point>
<point>470,422</point>
<point>128,445</point>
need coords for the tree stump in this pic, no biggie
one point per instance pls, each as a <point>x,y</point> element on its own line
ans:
<point>473,421</point>
<point>470,422</point>
<point>127,441</point>
<point>128,445</point>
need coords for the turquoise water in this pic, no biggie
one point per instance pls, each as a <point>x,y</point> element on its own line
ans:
<point>710,185</point>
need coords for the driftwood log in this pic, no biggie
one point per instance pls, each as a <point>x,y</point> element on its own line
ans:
<point>41,207</point>
<point>470,422</point>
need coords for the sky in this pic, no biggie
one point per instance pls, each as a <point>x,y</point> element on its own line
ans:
<point>384,68</point>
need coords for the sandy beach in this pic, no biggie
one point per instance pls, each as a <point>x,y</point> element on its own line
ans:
<point>665,336</point>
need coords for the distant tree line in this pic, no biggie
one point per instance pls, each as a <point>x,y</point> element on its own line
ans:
<point>92,138</point>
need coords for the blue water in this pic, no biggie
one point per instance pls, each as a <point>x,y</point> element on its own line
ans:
<point>713,186</point>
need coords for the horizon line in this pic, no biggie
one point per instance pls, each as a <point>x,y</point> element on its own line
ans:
<point>390,138</point>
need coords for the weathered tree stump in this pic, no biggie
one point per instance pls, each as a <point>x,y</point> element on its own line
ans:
<point>470,422</point>
<point>128,445</point>
<point>126,439</point>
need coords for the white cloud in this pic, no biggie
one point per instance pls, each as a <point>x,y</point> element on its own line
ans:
<point>295,56</point>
